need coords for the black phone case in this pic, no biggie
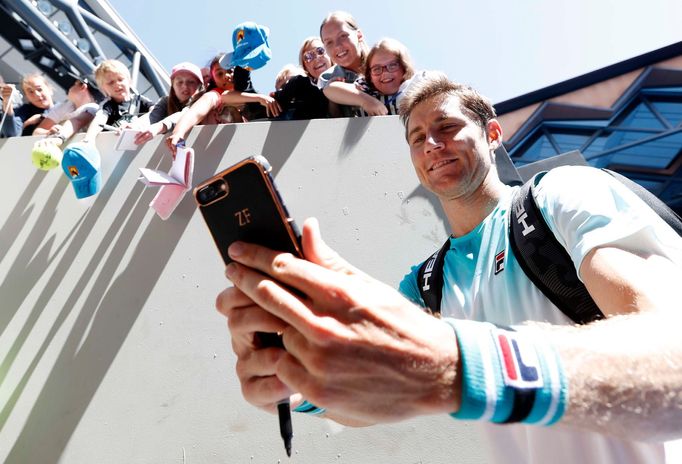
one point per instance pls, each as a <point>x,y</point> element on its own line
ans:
<point>250,211</point>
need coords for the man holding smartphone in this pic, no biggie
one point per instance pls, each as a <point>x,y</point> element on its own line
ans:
<point>608,392</point>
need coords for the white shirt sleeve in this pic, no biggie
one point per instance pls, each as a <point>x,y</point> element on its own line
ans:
<point>60,111</point>
<point>587,208</point>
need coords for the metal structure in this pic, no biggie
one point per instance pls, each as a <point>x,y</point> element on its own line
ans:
<point>640,135</point>
<point>67,38</point>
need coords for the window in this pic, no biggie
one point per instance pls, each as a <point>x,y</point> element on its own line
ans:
<point>539,149</point>
<point>569,141</point>
<point>656,154</point>
<point>670,110</point>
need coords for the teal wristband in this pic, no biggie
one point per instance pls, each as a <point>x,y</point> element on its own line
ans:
<point>308,408</point>
<point>508,376</point>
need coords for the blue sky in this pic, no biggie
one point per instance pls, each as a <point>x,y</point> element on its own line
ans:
<point>503,48</point>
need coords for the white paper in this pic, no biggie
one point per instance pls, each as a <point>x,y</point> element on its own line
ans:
<point>126,141</point>
<point>180,172</point>
<point>173,185</point>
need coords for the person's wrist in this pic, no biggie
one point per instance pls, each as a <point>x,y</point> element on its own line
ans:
<point>445,394</point>
<point>507,376</point>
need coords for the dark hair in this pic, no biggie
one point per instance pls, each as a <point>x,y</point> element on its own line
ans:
<point>211,83</point>
<point>173,104</point>
<point>214,62</point>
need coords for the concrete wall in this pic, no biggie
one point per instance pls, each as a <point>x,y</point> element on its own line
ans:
<point>111,350</point>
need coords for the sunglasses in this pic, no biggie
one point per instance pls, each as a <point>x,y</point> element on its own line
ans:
<point>391,67</point>
<point>312,54</point>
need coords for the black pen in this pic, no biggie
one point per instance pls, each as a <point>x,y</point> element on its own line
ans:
<point>285,428</point>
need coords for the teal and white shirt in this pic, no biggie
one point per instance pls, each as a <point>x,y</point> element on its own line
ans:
<point>585,208</point>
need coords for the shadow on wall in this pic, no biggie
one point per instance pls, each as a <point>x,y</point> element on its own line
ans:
<point>435,235</point>
<point>110,308</point>
<point>282,138</point>
<point>32,260</point>
<point>355,130</point>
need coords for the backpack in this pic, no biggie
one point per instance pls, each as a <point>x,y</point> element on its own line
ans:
<point>540,255</point>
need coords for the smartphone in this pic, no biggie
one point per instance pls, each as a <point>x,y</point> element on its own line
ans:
<point>242,203</point>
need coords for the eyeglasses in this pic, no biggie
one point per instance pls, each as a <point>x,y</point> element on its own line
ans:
<point>312,54</point>
<point>391,67</point>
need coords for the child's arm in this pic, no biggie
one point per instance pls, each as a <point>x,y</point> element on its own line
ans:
<point>191,118</point>
<point>233,98</point>
<point>95,126</point>
<point>71,126</point>
<point>349,94</point>
<point>44,127</point>
<point>162,126</point>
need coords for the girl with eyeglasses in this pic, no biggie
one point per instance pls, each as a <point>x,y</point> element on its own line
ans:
<point>299,97</point>
<point>387,70</point>
<point>345,44</point>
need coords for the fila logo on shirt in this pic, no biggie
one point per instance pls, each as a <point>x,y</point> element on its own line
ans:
<point>499,262</point>
<point>520,364</point>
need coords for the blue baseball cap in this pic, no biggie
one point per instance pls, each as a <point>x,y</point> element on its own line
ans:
<point>81,164</point>
<point>251,47</point>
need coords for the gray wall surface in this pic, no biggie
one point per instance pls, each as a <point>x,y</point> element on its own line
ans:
<point>111,350</point>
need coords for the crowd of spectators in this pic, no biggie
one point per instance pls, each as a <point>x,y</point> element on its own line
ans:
<point>337,75</point>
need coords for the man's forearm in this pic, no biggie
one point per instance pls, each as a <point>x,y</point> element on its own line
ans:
<point>624,374</point>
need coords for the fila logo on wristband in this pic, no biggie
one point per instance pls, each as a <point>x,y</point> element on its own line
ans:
<point>519,361</point>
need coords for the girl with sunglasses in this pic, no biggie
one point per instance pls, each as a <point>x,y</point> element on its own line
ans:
<point>299,97</point>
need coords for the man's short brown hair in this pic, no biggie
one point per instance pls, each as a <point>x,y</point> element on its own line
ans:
<point>433,83</point>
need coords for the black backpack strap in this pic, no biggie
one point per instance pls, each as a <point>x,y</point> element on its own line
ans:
<point>660,208</point>
<point>545,261</point>
<point>430,279</point>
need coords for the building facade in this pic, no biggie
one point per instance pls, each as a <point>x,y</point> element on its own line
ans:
<point>627,117</point>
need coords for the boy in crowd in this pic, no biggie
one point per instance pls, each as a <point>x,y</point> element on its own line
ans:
<point>123,105</point>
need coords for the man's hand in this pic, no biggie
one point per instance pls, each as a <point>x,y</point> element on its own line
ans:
<point>353,345</point>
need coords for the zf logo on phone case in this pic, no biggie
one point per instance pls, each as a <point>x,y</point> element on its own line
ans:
<point>244,217</point>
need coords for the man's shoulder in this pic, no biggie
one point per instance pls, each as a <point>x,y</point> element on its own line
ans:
<point>562,178</point>
<point>569,186</point>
